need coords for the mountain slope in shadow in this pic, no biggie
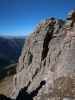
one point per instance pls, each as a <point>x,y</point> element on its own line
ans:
<point>10,50</point>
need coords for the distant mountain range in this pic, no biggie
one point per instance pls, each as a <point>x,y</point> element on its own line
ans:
<point>10,50</point>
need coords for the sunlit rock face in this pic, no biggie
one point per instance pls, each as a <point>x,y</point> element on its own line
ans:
<point>49,54</point>
<point>67,98</point>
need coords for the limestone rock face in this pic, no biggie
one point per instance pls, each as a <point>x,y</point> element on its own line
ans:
<point>49,54</point>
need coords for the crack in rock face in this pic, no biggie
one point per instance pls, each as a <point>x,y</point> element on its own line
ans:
<point>23,94</point>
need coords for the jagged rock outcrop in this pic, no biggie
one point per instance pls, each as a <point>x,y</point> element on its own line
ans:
<point>49,54</point>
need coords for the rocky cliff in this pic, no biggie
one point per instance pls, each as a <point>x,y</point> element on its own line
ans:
<point>49,54</point>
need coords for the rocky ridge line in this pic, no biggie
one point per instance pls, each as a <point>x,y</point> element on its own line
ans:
<point>49,54</point>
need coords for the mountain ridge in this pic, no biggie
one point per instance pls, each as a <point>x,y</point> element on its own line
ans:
<point>10,50</point>
<point>48,56</point>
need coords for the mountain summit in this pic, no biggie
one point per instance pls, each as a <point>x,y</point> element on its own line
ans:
<point>49,54</point>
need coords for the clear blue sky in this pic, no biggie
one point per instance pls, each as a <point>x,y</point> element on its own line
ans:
<point>19,17</point>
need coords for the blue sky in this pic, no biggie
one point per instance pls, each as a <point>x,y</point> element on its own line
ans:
<point>19,17</point>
